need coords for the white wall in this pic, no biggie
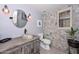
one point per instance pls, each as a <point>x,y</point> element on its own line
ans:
<point>8,29</point>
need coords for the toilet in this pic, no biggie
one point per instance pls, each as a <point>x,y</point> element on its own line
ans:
<point>45,43</point>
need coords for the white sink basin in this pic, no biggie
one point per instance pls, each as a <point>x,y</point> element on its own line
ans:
<point>27,36</point>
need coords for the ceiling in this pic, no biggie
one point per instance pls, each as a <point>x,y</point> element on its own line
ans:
<point>41,7</point>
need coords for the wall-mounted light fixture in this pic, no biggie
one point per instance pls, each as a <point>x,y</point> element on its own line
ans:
<point>5,9</point>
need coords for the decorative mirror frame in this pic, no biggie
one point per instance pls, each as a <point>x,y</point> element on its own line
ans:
<point>19,17</point>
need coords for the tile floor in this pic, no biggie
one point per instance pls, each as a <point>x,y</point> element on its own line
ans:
<point>51,51</point>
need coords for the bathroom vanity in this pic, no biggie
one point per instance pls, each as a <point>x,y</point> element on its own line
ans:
<point>21,45</point>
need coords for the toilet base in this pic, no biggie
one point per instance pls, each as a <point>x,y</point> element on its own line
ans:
<point>46,47</point>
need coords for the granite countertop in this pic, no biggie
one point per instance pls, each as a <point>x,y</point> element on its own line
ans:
<point>14,42</point>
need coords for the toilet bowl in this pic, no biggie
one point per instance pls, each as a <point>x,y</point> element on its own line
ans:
<point>45,43</point>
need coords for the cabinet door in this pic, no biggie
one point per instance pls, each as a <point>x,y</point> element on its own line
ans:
<point>36,46</point>
<point>17,50</point>
<point>28,48</point>
<point>25,50</point>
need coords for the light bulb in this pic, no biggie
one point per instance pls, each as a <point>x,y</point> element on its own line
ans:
<point>29,16</point>
<point>5,9</point>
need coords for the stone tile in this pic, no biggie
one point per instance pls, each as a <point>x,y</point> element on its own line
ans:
<point>51,51</point>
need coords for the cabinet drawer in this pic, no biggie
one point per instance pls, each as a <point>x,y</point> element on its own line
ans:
<point>28,48</point>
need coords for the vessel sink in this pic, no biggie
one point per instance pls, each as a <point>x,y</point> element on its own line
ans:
<point>28,36</point>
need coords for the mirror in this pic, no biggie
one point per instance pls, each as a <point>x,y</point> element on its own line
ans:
<point>19,18</point>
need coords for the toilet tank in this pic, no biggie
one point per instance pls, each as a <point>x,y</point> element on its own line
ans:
<point>40,35</point>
